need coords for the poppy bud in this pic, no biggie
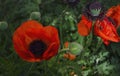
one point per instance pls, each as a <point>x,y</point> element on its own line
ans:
<point>75,48</point>
<point>35,16</point>
<point>3,25</point>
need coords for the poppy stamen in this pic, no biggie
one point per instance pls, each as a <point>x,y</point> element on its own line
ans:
<point>95,8</point>
<point>37,47</point>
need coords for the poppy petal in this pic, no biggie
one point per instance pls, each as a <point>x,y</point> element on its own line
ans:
<point>52,42</point>
<point>106,30</point>
<point>39,34</point>
<point>21,49</point>
<point>51,51</point>
<point>20,32</point>
<point>52,31</point>
<point>21,40</point>
<point>114,13</point>
<point>84,26</point>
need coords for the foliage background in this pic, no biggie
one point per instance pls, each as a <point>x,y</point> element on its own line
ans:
<point>96,58</point>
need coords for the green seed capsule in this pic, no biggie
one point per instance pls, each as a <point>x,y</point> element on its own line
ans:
<point>35,16</point>
<point>3,25</point>
<point>75,48</point>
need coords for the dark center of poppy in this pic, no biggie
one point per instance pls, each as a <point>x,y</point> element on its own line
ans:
<point>95,8</point>
<point>37,47</point>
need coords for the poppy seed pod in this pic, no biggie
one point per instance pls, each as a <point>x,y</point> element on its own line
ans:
<point>94,11</point>
<point>3,25</point>
<point>35,16</point>
<point>95,8</point>
<point>75,48</point>
<point>35,43</point>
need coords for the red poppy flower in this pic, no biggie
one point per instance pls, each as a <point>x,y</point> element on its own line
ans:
<point>35,43</point>
<point>102,28</point>
<point>106,30</point>
<point>84,26</point>
<point>114,13</point>
<point>104,25</point>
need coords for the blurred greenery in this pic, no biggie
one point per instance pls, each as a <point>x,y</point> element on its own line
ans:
<point>96,59</point>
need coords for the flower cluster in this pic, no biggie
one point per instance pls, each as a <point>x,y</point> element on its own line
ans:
<point>103,24</point>
<point>33,42</point>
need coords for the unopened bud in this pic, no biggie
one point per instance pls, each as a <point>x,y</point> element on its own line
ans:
<point>75,48</point>
<point>3,25</point>
<point>35,16</point>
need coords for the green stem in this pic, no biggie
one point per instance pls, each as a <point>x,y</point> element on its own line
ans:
<point>64,49</point>
<point>90,36</point>
<point>57,19</point>
<point>60,52</point>
<point>61,37</point>
<point>27,74</point>
<point>98,44</point>
<point>45,68</point>
<point>60,28</point>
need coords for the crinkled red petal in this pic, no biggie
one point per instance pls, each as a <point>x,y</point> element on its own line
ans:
<point>114,13</point>
<point>106,30</point>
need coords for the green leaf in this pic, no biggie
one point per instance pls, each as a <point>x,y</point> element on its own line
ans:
<point>104,68</point>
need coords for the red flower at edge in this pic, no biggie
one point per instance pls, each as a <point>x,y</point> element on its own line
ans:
<point>35,43</point>
<point>102,28</point>
<point>105,24</point>
<point>114,13</point>
<point>106,30</point>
